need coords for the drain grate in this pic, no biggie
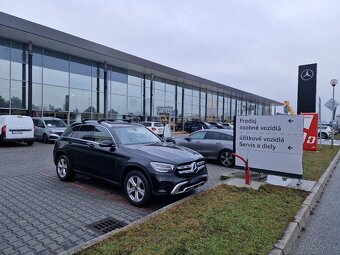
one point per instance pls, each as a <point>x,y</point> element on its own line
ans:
<point>106,225</point>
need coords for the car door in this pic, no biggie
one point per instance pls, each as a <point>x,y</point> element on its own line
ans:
<point>105,157</point>
<point>211,144</point>
<point>194,141</point>
<point>81,149</point>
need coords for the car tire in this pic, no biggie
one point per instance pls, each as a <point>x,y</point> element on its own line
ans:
<point>30,143</point>
<point>64,169</point>
<point>226,158</point>
<point>137,188</point>
<point>324,136</point>
<point>45,139</point>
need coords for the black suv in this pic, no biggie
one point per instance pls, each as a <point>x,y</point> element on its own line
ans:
<point>192,126</point>
<point>130,155</point>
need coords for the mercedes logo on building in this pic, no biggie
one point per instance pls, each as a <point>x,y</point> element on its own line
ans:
<point>307,74</point>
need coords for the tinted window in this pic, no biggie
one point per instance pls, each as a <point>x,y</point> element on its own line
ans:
<point>55,123</point>
<point>72,131</point>
<point>158,124</point>
<point>198,135</point>
<point>212,136</point>
<point>226,137</point>
<point>135,135</point>
<point>101,134</point>
<point>147,124</point>
<point>85,132</point>
<point>40,124</point>
<point>35,122</point>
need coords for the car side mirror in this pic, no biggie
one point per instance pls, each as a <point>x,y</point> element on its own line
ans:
<point>170,140</point>
<point>187,138</point>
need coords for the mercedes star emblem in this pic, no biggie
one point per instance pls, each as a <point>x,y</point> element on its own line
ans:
<point>307,74</point>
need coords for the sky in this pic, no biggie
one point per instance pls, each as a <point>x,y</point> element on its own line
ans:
<point>252,45</point>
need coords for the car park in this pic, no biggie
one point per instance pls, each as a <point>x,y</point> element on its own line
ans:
<point>227,125</point>
<point>217,125</point>
<point>326,131</point>
<point>155,127</point>
<point>192,126</point>
<point>216,144</point>
<point>16,128</point>
<point>130,155</point>
<point>48,128</point>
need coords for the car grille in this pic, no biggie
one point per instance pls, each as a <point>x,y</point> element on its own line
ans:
<point>191,168</point>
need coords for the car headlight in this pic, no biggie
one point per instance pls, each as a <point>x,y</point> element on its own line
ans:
<point>162,167</point>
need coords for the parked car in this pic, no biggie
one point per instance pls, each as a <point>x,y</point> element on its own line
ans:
<point>326,131</point>
<point>155,127</point>
<point>336,130</point>
<point>217,125</point>
<point>192,126</point>
<point>130,155</point>
<point>227,125</point>
<point>48,128</point>
<point>16,128</point>
<point>214,144</point>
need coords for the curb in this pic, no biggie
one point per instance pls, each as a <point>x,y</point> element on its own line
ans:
<point>101,238</point>
<point>293,231</point>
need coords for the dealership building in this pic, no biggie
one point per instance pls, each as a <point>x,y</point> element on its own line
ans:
<point>45,72</point>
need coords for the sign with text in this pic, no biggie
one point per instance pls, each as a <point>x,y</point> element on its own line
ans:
<point>310,131</point>
<point>272,144</point>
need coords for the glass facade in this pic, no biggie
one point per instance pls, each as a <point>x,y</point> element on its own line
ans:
<point>73,88</point>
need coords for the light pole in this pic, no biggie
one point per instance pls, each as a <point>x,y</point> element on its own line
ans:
<point>333,82</point>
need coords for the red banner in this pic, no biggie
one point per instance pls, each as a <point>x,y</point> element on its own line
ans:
<point>310,131</point>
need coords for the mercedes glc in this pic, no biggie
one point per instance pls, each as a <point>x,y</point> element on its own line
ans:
<point>129,155</point>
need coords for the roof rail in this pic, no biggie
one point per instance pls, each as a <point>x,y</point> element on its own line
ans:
<point>115,120</point>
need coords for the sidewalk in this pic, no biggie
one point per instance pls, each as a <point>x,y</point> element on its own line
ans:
<point>322,234</point>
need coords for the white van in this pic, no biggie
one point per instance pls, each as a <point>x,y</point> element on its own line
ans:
<point>16,128</point>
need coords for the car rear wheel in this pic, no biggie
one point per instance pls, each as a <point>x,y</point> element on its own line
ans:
<point>137,188</point>
<point>30,143</point>
<point>226,158</point>
<point>64,170</point>
<point>324,136</point>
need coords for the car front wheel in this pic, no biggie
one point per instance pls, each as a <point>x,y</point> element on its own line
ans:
<point>226,158</point>
<point>64,170</point>
<point>137,188</point>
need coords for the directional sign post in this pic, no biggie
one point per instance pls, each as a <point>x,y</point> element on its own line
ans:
<point>272,144</point>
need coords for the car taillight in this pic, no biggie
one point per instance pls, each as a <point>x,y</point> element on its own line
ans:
<point>154,129</point>
<point>3,130</point>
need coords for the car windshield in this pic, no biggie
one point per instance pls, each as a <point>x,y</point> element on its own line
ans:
<point>55,123</point>
<point>135,135</point>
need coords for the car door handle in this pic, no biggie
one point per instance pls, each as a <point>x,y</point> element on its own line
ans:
<point>91,145</point>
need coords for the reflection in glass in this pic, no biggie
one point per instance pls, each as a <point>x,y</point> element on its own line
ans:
<point>4,93</point>
<point>134,105</point>
<point>55,61</point>
<point>36,96</point>
<point>17,71</point>
<point>55,98</point>
<point>4,48</point>
<point>4,69</point>
<point>17,52</point>
<point>37,74</point>
<point>18,95</point>
<point>135,91</point>
<point>159,95</point>
<point>80,100</point>
<point>118,104</point>
<point>80,81</point>
<point>118,88</point>
<point>134,80</point>
<point>55,77</point>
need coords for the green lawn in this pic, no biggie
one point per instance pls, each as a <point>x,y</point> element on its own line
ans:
<point>224,220</point>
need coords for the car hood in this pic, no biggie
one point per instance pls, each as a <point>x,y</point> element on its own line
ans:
<point>164,152</point>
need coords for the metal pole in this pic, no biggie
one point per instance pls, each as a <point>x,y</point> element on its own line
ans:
<point>333,117</point>
<point>320,121</point>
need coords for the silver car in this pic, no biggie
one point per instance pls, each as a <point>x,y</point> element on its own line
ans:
<point>214,144</point>
<point>48,128</point>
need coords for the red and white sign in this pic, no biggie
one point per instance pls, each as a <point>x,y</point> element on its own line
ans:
<point>310,131</point>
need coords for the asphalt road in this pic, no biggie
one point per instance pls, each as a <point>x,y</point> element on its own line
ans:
<point>322,234</point>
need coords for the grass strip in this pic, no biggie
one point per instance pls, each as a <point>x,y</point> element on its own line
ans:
<point>224,220</point>
<point>315,163</point>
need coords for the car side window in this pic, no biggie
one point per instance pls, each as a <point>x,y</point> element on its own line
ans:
<point>226,137</point>
<point>85,132</point>
<point>212,136</point>
<point>72,131</point>
<point>101,134</point>
<point>35,122</point>
<point>198,135</point>
<point>40,124</point>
